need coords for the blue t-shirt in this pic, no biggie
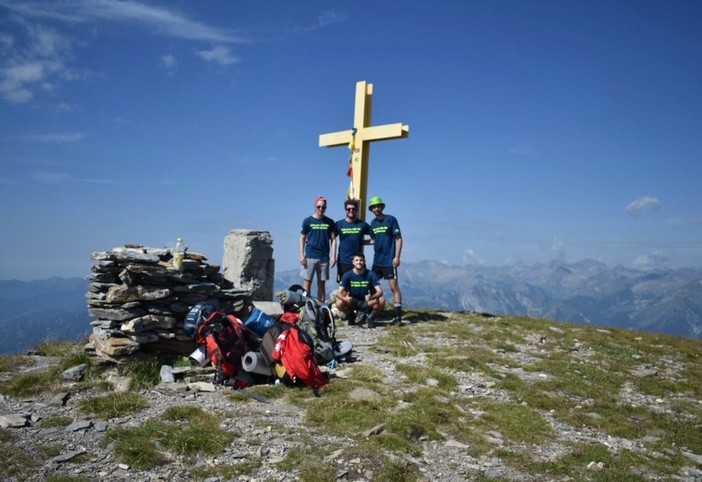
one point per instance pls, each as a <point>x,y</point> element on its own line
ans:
<point>384,233</point>
<point>359,285</point>
<point>351,238</point>
<point>318,233</point>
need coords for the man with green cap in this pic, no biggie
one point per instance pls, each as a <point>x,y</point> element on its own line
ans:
<point>387,244</point>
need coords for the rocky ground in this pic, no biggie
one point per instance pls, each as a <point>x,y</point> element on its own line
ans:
<point>261,439</point>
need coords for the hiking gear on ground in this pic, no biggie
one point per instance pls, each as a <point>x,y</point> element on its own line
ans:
<point>342,348</point>
<point>197,315</point>
<point>318,321</point>
<point>199,356</point>
<point>293,349</point>
<point>374,201</point>
<point>226,341</point>
<point>258,321</point>
<point>269,340</point>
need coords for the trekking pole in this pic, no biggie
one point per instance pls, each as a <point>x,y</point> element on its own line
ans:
<point>252,395</point>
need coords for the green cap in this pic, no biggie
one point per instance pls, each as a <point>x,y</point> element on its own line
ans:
<point>374,201</point>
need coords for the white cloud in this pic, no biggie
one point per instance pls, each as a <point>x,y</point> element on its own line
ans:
<point>219,54</point>
<point>653,260</point>
<point>169,61</point>
<point>36,64</point>
<point>644,204</point>
<point>63,107</point>
<point>329,18</point>
<point>323,20</point>
<point>56,138</point>
<point>164,21</point>
<point>38,57</point>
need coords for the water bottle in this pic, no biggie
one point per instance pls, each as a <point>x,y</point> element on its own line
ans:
<point>179,254</point>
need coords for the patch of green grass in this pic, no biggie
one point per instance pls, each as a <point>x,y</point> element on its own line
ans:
<point>113,405</point>
<point>27,384</point>
<point>624,465</point>
<point>464,359</point>
<point>420,375</point>
<point>13,462</point>
<point>401,346</point>
<point>367,374</point>
<point>184,430</point>
<point>514,421</point>
<point>308,461</point>
<point>59,349</point>
<point>57,421</point>
<point>269,392</point>
<point>227,471</point>
<point>142,373</point>
<point>398,471</point>
<point>423,414</point>
<point>661,387</point>
<point>10,362</point>
<point>341,415</point>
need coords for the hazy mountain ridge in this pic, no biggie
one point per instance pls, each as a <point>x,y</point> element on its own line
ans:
<point>667,301</point>
<point>51,309</point>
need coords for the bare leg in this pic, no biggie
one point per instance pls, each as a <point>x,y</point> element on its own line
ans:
<point>321,295</point>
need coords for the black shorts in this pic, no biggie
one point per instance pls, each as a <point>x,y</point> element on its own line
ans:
<point>385,272</point>
<point>342,268</point>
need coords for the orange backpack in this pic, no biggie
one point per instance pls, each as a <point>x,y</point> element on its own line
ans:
<point>226,341</point>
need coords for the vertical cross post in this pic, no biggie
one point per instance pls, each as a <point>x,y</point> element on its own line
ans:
<point>359,139</point>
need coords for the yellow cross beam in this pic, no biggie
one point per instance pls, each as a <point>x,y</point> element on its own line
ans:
<point>365,134</point>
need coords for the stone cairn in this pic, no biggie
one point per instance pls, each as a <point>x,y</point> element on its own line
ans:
<point>139,301</point>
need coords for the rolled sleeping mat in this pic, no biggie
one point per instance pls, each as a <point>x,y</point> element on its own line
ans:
<point>253,362</point>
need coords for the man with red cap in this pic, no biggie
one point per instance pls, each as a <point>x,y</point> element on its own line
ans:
<point>317,243</point>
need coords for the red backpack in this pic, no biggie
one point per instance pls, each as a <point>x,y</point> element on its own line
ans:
<point>293,348</point>
<point>226,341</point>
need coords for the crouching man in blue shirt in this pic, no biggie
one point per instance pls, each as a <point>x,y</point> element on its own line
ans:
<point>360,295</point>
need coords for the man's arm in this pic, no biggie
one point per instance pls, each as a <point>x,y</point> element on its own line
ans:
<point>398,251</point>
<point>303,240</point>
<point>333,249</point>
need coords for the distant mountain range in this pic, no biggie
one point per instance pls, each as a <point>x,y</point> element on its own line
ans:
<point>33,311</point>
<point>590,292</point>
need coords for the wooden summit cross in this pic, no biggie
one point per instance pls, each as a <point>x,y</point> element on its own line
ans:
<point>359,139</point>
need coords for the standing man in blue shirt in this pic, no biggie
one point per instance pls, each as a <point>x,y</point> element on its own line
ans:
<point>387,243</point>
<point>318,233</point>
<point>351,233</point>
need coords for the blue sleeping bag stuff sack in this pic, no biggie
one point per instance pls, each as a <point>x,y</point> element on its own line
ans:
<point>259,322</point>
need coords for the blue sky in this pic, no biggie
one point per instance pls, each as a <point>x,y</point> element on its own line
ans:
<point>538,129</point>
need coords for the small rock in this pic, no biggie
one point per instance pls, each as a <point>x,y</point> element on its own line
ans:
<point>60,399</point>
<point>79,425</point>
<point>166,374</point>
<point>74,374</point>
<point>374,431</point>
<point>14,421</point>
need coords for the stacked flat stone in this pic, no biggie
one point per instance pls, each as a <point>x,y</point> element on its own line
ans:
<point>139,301</point>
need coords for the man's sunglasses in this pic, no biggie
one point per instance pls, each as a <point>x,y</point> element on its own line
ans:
<point>321,207</point>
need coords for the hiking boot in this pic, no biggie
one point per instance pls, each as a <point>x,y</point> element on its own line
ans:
<point>370,321</point>
<point>361,317</point>
<point>397,322</point>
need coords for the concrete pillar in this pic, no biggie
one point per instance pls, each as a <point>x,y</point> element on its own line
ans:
<point>248,262</point>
